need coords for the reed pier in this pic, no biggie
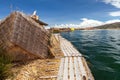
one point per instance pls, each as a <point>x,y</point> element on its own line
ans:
<point>73,65</point>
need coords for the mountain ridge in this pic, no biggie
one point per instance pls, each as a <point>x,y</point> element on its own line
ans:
<point>115,25</point>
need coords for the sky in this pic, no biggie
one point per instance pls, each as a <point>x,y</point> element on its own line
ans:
<point>75,13</point>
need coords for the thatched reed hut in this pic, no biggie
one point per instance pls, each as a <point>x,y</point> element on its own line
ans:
<point>24,37</point>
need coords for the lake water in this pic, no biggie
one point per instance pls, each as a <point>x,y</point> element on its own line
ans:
<point>101,49</point>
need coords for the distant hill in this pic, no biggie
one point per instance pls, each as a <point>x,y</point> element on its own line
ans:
<point>109,26</point>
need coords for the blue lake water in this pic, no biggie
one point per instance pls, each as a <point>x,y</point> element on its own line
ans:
<point>101,49</point>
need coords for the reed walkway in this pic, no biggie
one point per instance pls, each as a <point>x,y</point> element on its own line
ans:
<point>73,66</point>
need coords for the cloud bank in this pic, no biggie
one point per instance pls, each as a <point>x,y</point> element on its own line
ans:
<point>87,23</point>
<point>115,3</point>
<point>115,14</point>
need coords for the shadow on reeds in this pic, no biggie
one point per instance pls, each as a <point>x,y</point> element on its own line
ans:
<point>5,64</point>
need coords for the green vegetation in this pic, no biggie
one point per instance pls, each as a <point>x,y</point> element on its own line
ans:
<point>5,64</point>
<point>56,31</point>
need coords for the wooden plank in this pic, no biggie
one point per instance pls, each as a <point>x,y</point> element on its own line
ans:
<point>89,74</point>
<point>64,52</point>
<point>65,74</point>
<point>61,68</point>
<point>77,71</point>
<point>62,47</point>
<point>67,50</point>
<point>82,67</point>
<point>73,53</point>
<point>70,53</point>
<point>71,70</point>
<point>74,50</point>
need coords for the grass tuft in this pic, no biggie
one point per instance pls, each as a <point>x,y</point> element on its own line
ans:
<point>5,64</point>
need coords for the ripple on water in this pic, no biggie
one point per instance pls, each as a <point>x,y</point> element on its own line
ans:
<point>116,57</point>
<point>118,44</point>
<point>102,50</point>
<point>118,62</point>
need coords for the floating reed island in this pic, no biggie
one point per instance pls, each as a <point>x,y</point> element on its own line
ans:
<point>36,53</point>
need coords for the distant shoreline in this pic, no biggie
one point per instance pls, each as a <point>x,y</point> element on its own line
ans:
<point>59,30</point>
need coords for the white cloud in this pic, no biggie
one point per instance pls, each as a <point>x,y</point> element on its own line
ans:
<point>66,25</point>
<point>84,19</point>
<point>116,13</point>
<point>115,3</point>
<point>87,23</point>
<point>112,21</point>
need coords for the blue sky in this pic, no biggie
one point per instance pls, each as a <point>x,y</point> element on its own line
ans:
<point>64,11</point>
